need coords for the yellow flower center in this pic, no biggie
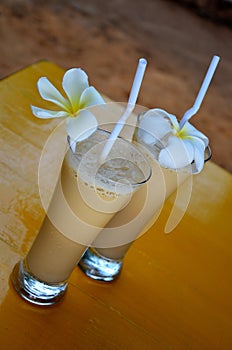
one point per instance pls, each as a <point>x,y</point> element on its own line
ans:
<point>74,110</point>
<point>182,134</point>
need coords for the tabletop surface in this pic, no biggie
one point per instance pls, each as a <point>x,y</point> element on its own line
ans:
<point>175,289</point>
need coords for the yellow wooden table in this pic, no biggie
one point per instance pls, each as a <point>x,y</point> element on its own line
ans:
<point>175,291</point>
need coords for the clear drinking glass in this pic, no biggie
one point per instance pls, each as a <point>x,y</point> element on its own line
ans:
<point>86,197</point>
<point>104,259</point>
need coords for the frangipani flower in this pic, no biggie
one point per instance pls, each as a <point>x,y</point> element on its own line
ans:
<point>80,122</point>
<point>179,148</point>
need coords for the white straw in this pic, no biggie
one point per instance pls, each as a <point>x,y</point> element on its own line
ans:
<point>201,94</point>
<point>129,108</point>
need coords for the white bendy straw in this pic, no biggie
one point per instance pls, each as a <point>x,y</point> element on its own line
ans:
<point>129,108</point>
<point>201,94</point>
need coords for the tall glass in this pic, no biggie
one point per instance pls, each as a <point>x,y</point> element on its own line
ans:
<point>104,259</point>
<point>86,197</point>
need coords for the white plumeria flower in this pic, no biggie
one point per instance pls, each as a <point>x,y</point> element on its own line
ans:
<point>80,122</point>
<point>179,147</point>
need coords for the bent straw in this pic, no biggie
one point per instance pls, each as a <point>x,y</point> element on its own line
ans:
<point>129,108</point>
<point>201,94</point>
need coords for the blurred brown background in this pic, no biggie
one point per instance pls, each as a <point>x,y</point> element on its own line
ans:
<point>106,38</point>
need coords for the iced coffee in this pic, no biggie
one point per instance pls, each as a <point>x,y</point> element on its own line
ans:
<point>88,194</point>
<point>103,261</point>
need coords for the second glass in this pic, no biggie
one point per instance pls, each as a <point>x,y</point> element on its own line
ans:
<point>103,261</point>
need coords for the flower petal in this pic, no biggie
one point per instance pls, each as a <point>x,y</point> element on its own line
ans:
<point>174,120</point>
<point>190,130</point>
<point>82,126</point>
<point>45,113</point>
<point>49,93</point>
<point>153,126</point>
<point>90,97</point>
<point>75,81</point>
<point>177,154</point>
<point>199,152</point>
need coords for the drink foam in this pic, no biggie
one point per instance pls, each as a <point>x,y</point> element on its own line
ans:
<point>119,174</point>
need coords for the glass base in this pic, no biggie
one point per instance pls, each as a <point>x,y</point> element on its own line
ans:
<point>99,267</point>
<point>34,290</point>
